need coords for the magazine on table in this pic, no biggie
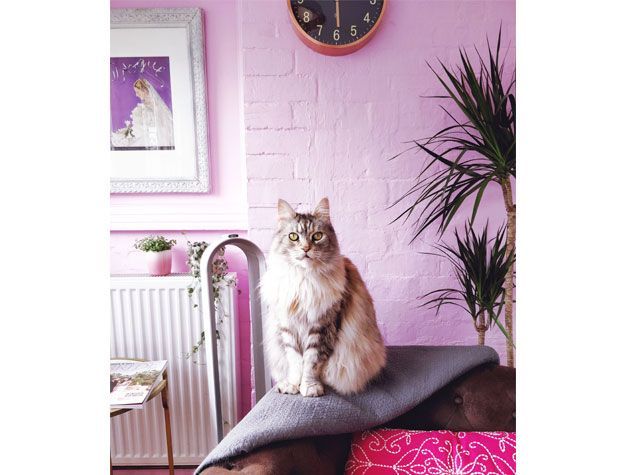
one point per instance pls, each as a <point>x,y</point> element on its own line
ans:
<point>131,382</point>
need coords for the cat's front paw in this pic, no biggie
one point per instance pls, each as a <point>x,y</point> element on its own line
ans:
<point>311,389</point>
<point>285,387</point>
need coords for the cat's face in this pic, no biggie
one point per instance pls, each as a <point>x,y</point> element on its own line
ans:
<point>305,239</point>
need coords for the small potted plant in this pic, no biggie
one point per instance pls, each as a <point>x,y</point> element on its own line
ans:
<point>158,253</point>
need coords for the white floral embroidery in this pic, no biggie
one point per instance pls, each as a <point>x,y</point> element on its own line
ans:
<point>437,453</point>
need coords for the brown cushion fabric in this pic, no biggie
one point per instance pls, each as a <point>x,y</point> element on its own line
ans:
<point>484,399</point>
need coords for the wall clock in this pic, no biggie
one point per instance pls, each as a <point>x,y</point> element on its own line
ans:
<point>336,27</point>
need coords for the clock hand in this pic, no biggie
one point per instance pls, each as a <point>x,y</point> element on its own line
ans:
<point>337,12</point>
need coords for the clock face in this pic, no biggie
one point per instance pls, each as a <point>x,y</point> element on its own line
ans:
<point>337,23</point>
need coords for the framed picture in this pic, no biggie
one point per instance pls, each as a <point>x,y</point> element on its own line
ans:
<point>159,131</point>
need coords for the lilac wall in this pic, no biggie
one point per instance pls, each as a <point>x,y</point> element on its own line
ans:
<point>225,206</point>
<point>320,126</point>
<point>202,216</point>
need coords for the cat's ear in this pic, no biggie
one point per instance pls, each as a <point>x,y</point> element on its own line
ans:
<point>284,210</point>
<point>322,210</point>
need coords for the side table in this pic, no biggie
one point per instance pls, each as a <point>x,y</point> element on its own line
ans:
<point>162,389</point>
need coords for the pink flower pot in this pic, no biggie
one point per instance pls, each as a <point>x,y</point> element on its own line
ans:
<point>159,263</point>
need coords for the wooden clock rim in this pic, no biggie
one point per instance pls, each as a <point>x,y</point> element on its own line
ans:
<point>334,50</point>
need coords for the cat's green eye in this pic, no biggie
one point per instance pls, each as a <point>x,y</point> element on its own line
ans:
<point>317,236</point>
<point>293,236</point>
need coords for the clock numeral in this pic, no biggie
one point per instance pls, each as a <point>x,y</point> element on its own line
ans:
<point>336,35</point>
<point>307,16</point>
<point>353,30</point>
<point>366,18</point>
<point>320,26</point>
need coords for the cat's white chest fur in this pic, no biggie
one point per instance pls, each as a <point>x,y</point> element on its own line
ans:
<point>292,291</point>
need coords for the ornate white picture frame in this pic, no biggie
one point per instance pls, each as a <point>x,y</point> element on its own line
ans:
<point>159,130</point>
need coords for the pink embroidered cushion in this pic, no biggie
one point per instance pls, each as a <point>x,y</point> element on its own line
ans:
<point>440,452</point>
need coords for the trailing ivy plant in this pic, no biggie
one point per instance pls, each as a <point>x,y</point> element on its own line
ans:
<point>220,279</point>
<point>481,266</point>
<point>467,156</point>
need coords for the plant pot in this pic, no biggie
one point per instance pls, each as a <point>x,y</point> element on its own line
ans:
<point>159,263</point>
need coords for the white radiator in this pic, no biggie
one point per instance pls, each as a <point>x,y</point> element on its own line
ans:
<point>154,318</point>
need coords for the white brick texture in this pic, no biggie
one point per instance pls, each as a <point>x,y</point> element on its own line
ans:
<point>326,126</point>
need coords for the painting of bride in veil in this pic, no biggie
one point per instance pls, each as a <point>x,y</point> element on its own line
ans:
<point>141,104</point>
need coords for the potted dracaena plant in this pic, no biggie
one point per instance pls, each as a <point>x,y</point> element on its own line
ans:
<point>157,250</point>
<point>480,267</point>
<point>469,155</point>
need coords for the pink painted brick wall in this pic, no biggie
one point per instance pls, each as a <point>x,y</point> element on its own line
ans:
<point>321,126</point>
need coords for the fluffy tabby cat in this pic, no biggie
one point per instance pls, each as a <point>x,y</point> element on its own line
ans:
<point>322,326</point>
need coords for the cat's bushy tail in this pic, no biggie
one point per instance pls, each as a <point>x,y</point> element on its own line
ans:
<point>359,354</point>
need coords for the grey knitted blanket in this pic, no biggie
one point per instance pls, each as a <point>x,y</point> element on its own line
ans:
<point>412,374</point>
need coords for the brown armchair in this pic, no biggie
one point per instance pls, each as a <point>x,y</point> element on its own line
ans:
<point>483,399</point>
